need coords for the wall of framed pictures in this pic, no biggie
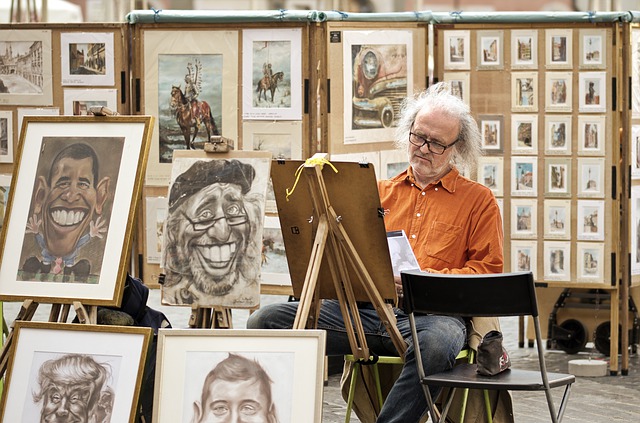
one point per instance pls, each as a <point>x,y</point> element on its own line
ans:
<point>546,91</point>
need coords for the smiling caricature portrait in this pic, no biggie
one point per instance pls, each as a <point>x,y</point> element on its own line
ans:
<point>70,209</point>
<point>213,232</point>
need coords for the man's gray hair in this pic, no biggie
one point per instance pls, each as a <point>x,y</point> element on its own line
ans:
<point>438,97</point>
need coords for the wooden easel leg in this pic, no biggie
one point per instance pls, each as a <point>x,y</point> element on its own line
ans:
<point>222,318</point>
<point>88,317</point>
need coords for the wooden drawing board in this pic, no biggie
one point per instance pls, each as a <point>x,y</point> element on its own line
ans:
<point>353,193</point>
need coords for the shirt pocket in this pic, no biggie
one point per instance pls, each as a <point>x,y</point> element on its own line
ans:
<point>444,242</point>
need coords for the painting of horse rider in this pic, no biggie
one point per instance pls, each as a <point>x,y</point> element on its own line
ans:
<point>190,101</point>
<point>272,73</point>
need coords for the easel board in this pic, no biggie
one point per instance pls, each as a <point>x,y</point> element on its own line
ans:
<point>353,194</point>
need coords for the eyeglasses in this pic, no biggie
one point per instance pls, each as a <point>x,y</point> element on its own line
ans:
<point>434,147</point>
<point>239,218</point>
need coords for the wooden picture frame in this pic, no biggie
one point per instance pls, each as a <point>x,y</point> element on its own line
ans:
<point>557,219</point>
<point>557,177</point>
<point>65,248</point>
<point>491,130</point>
<point>592,92</point>
<point>524,176</point>
<point>457,50</point>
<point>105,363</point>
<point>524,218</point>
<point>591,177</point>
<point>558,92</point>
<point>524,134</point>
<point>490,50</point>
<point>590,259</point>
<point>524,92</point>
<point>490,174</point>
<point>557,260</point>
<point>87,58</point>
<point>593,48</point>
<point>292,359</point>
<point>590,220</point>
<point>559,48</point>
<point>524,49</point>
<point>591,135</point>
<point>33,47</point>
<point>558,135</point>
<point>524,256</point>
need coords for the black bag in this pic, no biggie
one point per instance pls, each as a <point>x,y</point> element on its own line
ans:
<point>493,358</point>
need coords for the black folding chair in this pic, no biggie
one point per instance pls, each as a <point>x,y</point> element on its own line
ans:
<point>491,295</point>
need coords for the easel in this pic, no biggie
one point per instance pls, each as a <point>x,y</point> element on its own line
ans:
<point>216,317</point>
<point>331,241</point>
<point>59,313</point>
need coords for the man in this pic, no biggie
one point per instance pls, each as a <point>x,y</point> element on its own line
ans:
<point>67,213</point>
<point>237,390</point>
<point>74,388</point>
<point>453,225</point>
<point>212,251</point>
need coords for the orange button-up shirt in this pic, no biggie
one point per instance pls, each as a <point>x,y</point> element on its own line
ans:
<point>453,225</point>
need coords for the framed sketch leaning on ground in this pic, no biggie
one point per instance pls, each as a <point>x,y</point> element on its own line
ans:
<point>88,373</point>
<point>274,375</point>
<point>66,243</point>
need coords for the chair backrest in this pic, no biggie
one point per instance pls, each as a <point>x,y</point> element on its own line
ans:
<point>497,294</point>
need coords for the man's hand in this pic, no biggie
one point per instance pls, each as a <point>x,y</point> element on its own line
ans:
<point>98,228</point>
<point>398,282</point>
<point>33,224</point>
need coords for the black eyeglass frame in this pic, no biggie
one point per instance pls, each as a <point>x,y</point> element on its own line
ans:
<point>431,143</point>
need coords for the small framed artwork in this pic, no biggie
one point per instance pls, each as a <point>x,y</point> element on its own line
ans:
<point>591,177</point>
<point>634,225</point>
<point>491,131</point>
<point>6,136</point>
<point>392,163</point>
<point>558,91</point>
<point>635,73</point>
<point>282,139</point>
<point>524,256</point>
<point>284,374</point>
<point>490,49</point>
<point>34,111</point>
<point>96,369</point>
<point>373,158</point>
<point>459,83</point>
<point>593,48</point>
<point>78,102</point>
<point>557,177</point>
<point>524,134</point>
<point>559,48</point>
<point>5,189</point>
<point>591,138</point>
<point>557,134</point>
<point>524,218</point>
<point>457,50</point>
<point>524,49</point>
<point>155,217</point>
<point>524,92</point>
<point>490,171</point>
<point>635,152</point>
<point>87,58</point>
<point>274,269</point>
<point>557,219</point>
<point>590,220</point>
<point>524,176</point>
<point>590,262</point>
<point>26,76</point>
<point>66,245</point>
<point>557,260</point>
<point>592,92</point>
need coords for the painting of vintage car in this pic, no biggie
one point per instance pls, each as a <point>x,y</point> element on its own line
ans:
<point>379,84</point>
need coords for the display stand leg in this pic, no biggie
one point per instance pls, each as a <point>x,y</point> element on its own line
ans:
<point>86,314</point>
<point>215,318</point>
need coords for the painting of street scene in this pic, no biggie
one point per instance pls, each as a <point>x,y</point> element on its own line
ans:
<point>21,67</point>
<point>87,59</point>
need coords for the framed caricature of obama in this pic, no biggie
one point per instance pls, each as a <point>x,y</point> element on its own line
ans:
<point>71,204</point>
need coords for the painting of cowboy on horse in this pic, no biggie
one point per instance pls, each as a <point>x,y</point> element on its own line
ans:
<point>190,101</point>
<point>272,74</point>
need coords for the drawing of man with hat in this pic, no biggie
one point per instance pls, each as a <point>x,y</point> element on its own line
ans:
<point>213,233</point>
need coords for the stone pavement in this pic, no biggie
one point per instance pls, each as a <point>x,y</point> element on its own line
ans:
<point>595,400</point>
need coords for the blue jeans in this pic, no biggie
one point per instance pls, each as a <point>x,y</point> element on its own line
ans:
<point>441,338</point>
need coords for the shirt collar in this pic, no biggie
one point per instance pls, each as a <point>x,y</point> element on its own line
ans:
<point>447,182</point>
